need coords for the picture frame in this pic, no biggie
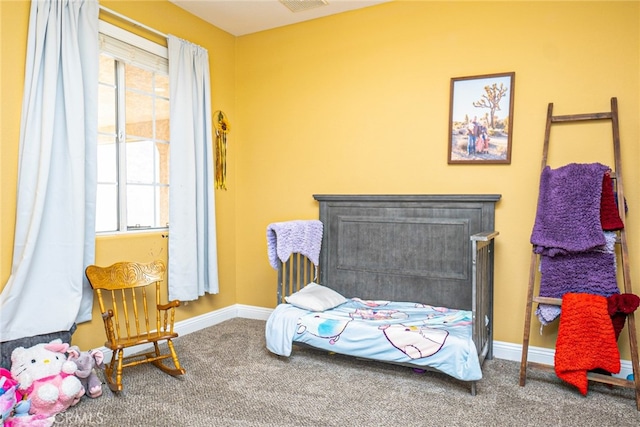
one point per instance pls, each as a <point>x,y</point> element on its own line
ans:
<point>481,119</point>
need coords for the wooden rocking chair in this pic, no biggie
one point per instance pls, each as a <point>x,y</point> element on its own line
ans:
<point>130,317</point>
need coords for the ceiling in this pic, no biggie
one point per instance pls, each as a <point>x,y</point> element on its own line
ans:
<point>241,17</point>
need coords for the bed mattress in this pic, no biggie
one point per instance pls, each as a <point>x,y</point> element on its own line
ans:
<point>398,332</point>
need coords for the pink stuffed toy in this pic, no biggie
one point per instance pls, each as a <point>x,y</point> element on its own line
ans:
<point>7,381</point>
<point>47,378</point>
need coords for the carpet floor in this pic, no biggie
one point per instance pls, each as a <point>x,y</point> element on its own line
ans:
<point>232,380</point>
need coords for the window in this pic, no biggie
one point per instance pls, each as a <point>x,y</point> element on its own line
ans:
<point>133,133</point>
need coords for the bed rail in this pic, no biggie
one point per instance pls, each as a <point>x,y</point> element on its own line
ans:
<point>482,292</point>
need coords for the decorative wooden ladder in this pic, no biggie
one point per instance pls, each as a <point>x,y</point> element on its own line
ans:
<point>622,259</point>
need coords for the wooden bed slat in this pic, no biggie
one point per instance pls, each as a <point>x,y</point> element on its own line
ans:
<point>294,274</point>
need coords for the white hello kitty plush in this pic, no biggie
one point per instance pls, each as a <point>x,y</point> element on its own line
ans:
<point>46,376</point>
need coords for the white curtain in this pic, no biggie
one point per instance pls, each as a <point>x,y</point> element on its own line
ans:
<point>193,264</point>
<point>55,232</point>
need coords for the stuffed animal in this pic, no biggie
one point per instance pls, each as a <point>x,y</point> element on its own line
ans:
<point>88,362</point>
<point>7,382</point>
<point>47,378</point>
<point>8,402</point>
<point>12,407</point>
<point>14,411</point>
<point>12,404</point>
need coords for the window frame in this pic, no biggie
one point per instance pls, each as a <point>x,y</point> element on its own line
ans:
<point>129,48</point>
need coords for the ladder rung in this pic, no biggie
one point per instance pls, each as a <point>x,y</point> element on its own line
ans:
<point>581,117</point>
<point>547,300</point>
<point>591,376</point>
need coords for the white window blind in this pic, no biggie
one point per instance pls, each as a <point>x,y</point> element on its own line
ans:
<point>132,48</point>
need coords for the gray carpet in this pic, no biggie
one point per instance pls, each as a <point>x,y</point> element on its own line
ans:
<point>232,380</point>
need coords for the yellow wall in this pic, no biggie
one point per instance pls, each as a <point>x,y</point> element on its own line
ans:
<point>359,102</point>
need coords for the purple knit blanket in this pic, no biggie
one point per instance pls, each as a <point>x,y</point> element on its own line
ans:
<point>585,272</point>
<point>300,236</point>
<point>568,213</point>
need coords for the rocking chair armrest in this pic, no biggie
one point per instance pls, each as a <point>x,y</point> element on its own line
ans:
<point>168,316</point>
<point>170,304</point>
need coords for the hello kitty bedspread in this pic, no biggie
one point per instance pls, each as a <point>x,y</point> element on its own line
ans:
<point>398,332</point>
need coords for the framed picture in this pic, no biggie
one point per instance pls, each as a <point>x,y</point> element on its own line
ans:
<point>481,119</point>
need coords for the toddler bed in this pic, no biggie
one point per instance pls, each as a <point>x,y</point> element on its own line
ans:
<point>404,279</point>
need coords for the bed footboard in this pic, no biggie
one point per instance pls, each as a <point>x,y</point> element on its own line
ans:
<point>482,292</point>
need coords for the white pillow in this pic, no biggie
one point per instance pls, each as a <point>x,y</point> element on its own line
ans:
<point>314,297</point>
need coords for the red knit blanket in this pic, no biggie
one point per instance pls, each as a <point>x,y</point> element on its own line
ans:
<point>609,215</point>
<point>586,339</point>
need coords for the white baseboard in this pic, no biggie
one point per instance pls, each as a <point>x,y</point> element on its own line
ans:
<point>509,351</point>
<point>501,350</point>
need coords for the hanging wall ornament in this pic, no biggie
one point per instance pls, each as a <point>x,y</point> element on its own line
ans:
<point>222,129</point>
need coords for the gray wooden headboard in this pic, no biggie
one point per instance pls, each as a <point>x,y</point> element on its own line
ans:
<point>403,247</point>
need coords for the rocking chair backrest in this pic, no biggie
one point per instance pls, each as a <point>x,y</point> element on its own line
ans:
<point>124,294</point>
